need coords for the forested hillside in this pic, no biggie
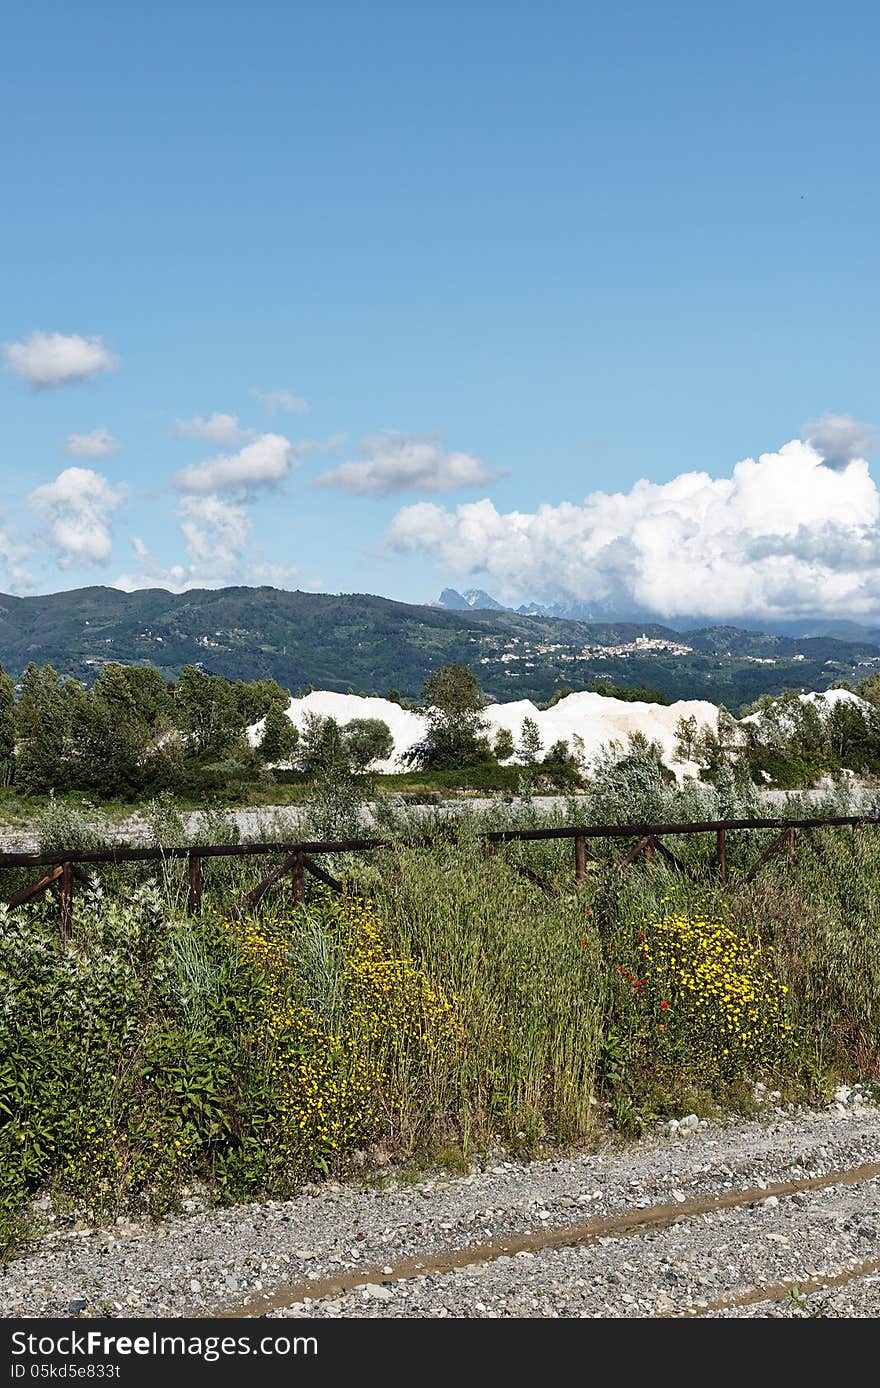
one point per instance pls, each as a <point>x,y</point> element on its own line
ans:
<point>370,644</point>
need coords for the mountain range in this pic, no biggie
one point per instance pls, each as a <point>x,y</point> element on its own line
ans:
<point>477,599</point>
<point>363,643</point>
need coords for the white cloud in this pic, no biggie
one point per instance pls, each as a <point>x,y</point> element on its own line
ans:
<point>58,359</point>
<point>838,439</point>
<point>216,533</point>
<point>399,463</point>
<point>274,401</point>
<point>13,557</point>
<point>223,430</point>
<point>263,463</point>
<point>783,535</point>
<point>100,443</point>
<point>78,507</point>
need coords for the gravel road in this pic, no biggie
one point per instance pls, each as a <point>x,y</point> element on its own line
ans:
<point>261,822</point>
<point>751,1218</point>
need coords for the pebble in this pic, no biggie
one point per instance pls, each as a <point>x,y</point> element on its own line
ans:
<point>208,1261</point>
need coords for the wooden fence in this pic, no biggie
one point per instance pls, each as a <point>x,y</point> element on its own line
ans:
<point>66,867</point>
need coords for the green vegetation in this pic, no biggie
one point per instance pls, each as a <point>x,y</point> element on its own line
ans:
<point>787,741</point>
<point>131,736</point>
<point>447,1002</point>
<point>456,735</point>
<point>637,694</point>
<point>357,641</point>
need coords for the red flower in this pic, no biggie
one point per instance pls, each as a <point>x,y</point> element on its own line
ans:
<point>664,1005</point>
<point>585,943</point>
<point>661,1027</point>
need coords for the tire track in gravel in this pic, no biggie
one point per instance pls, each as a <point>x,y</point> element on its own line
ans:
<point>630,1223</point>
<point>777,1291</point>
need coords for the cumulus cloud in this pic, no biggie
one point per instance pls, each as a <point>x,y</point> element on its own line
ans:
<point>223,430</point>
<point>838,439</point>
<point>78,507</point>
<point>399,463</point>
<point>281,401</point>
<point>783,535</point>
<point>100,443</point>
<point>263,463</point>
<point>58,359</point>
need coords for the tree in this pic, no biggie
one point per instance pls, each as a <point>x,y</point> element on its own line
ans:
<point>530,744</point>
<point>561,754</point>
<point>321,745</point>
<point>367,740</point>
<point>717,749</point>
<point>7,728</point>
<point>504,745</point>
<point>686,737</point>
<point>561,764</point>
<point>42,731</point>
<point>852,736</point>
<point>280,735</point>
<point>456,735</point>
<point>208,711</point>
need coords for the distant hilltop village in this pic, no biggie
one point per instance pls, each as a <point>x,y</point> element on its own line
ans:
<point>520,648</point>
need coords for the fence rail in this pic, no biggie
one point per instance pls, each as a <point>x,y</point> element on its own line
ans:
<point>66,865</point>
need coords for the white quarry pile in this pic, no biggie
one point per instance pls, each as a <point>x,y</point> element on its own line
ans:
<point>824,701</point>
<point>592,718</point>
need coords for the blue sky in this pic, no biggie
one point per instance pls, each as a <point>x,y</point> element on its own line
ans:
<point>380,297</point>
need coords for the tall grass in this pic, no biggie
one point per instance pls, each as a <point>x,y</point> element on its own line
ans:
<point>455,997</point>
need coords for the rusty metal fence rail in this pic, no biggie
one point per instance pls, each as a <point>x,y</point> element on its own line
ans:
<point>65,867</point>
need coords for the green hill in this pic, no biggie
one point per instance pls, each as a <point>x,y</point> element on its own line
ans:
<point>371,644</point>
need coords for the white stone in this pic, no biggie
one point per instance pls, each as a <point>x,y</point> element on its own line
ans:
<point>377,1292</point>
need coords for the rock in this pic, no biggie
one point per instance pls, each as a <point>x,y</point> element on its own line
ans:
<point>305,1254</point>
<point>770,1203</point>
<point>377,1292</point>
<point>195,1285</point>
<point>688,1123</point>
<point>77,1305</point>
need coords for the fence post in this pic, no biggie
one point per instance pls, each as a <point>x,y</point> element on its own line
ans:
<point>194,899</point>
<point>580,858</point>
<point>721,853</point>
<point>298,874</point>
<point>65,899</point>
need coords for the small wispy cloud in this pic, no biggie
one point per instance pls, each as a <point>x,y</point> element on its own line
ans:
<point>100,443</point>
<point>223,430</point>
<point>281,402</point>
